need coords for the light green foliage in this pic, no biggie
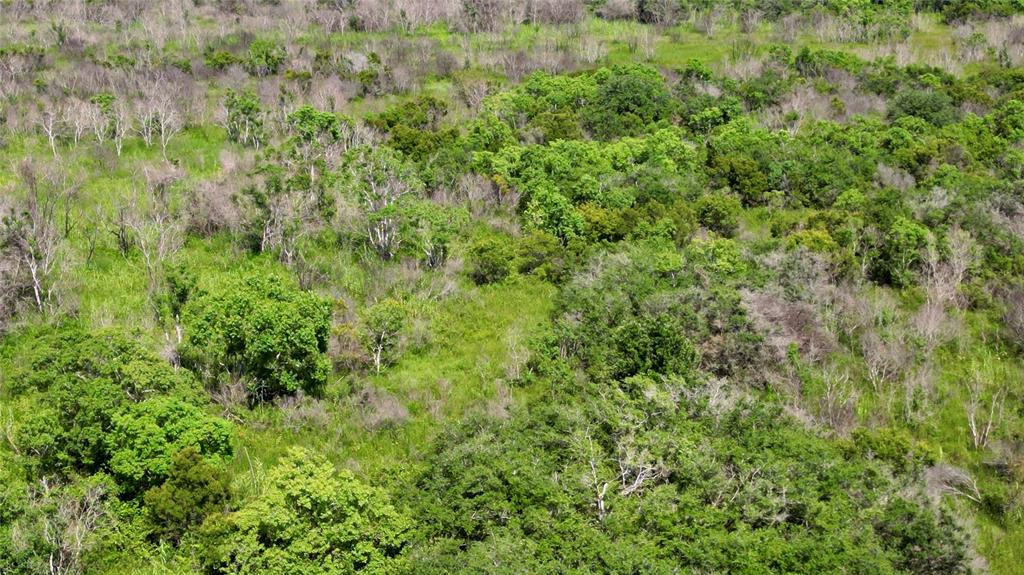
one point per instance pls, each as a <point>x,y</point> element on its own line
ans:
<point>434,228</point>
<point>719,213</point>
<point>718,255</point>
<point>382,326</point>
<point>1009,120</point>
<point>244,119</point>
<point>145,437</point>
<point>313,127</point>
<point>310,518</point>
<point>262,329</point>
<point>488,133</point>
<point>552,212</point>
<point>581,365</point>
<point>384,184</point>
<point>265,57</point>
<point>491,259</point>
<point>567,185</point>
<point>815,240</point>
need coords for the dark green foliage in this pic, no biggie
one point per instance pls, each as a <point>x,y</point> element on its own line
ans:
<point>261,329</point>
<point>561,480</point>
<point>719,213</point>
<point>648,344</point>
<point>920,541</point>
<point>628,98</point>
<point>87,380</point>
<point>900,252</point>
<point>893,446</point>
<point>564,125</point>
<point>762,91</point>
<point>642,423</point>
<point>194,488</point>
<point>491,259</point>
<point>423,113</point>
<point>552,212</point>
<point>181,283</point>
<point>541,253</point>
<point>930,105</point>
<point>815,63</point>
<point>744,176</point>
<point>619,321</point>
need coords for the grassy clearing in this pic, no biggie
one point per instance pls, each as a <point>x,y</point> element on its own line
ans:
<point>460,371</point>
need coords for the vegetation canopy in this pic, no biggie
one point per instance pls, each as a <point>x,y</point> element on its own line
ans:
<point>504,287</point>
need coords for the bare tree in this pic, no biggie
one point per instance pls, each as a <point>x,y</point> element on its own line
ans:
<point>99,123</point>
<point>984,407</point>
<point>117,225</point>
<point>65,520</point>
<point>593,478</point>
<point>278,216</point>
<point>168,122</point>
<point>637,466</point>
<point>51,122</point>
<point>1013,317</point>
<point>918,393</point>
<point>837,403</point>
<point>120,125</point>
<point>146,124</point>
<point>382,180</point>
<point>157,226</point>
<point>945,479</point>
<point>518,354</point>
<point>77,118</point>
<point>31,236</point>
<point>944,276</point>
<point>885,358</point>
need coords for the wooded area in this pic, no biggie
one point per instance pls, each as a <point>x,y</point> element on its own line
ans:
<point>511,287</point>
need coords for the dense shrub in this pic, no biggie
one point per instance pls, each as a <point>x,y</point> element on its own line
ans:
<point>322,521</point>
<point>265,57</point>
<point>719,213</point>
<point>86,380</point>
<point>145,438</point>
<point>744,176</point>
<point>643,460</point>
<point>194,489</point>
<point>260,329</point>
<point>628,99</point>
<point>491,259</point>
<point>931,105</point>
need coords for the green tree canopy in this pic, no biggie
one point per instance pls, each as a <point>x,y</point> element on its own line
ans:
<point>310,519</point>
<point>263,329</point>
